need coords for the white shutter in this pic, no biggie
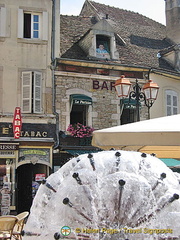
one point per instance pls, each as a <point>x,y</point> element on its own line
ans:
<point>171,102</point>
<point>3,19</point>
<point>26,92</point>
<point>45,26</point>
<point>37,92</point>
<point>20,23</point>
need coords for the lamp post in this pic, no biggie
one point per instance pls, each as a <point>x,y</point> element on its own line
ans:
<point>148,95</point>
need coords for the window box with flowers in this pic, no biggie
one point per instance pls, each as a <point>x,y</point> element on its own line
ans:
<point>79,130</point>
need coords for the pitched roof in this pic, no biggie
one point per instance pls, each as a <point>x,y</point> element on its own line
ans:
<point>144,37</point>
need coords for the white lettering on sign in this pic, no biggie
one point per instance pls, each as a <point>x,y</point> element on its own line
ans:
<point>17,123</point>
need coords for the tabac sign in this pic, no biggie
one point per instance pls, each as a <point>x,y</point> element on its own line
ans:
<point>17,123</point>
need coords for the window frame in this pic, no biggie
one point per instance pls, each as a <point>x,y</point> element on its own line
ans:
<point>173,109</point>
<point>32,22</point>
<point>43,24</point>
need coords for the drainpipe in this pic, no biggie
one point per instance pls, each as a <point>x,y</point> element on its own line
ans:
<point>53,67</point>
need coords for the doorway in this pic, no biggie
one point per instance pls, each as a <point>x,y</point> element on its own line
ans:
<point>26,178</point>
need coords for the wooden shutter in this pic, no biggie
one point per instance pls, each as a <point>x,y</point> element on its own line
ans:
<point>171,102</point>
<point>37,92</point>
<point>20,23</point>
<point>45,26</point>
<point>3,20</point>
<point>26,92</point>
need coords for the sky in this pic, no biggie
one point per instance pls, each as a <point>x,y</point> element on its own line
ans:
<point>154,9</point>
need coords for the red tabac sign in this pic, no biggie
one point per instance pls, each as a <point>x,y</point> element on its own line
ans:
<point>17,122</point>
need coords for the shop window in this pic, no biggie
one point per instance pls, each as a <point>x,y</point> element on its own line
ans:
<point>33,25</point>
<point>171,102</point>
<point>102,46</point>
<point>7,187</point>
<point>31,92</point>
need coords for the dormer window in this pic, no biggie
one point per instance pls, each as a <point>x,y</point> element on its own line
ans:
<point>100,41</point>
<point>102,46</point>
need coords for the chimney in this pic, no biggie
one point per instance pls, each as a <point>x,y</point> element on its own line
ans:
<point>173,20</point>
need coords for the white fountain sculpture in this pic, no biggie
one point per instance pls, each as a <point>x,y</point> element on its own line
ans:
<point>115,195</point>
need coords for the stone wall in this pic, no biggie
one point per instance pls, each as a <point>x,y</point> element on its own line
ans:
<point>105,110</point>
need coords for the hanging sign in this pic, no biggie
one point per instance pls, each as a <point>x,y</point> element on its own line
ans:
<point>40,176</point>
<point>17,123</point>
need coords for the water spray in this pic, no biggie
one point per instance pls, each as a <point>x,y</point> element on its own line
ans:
<point>66,201</point>
<point>77,156</point>
<point>23,233</point>
<point>117,154</point>
<point>76,176</point>
<point>162,177</point>
<point>170,200</point>
<point>48,185</point>
<point>57,236</point>
<point>174,197</point>
<point>143,155</point>
<point>121,187</point>
<point>91,159</point>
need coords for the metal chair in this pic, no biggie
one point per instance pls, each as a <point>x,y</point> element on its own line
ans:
<point>17,231</point>
<point>7,224</point>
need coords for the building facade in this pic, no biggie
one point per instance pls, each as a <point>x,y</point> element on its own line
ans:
<point>26,84</point>
<point>98,47</point>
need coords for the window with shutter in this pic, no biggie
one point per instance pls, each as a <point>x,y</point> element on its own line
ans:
<point>171,102</point>
<point>26,92</point>
<point>32,25</point>
<point>31,92</point>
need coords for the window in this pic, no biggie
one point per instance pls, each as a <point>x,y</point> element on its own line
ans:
<point>79,108</point>
<point>171,102</point>
<point>31,92</point>
<point>102,46</point>
<point>78,114</point>
<point>32,25</point>
<point>129,113</point>
<point>7,179</point>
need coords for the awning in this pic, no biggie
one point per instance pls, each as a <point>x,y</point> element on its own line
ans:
<point>129,103</point>
<point>80,99</point>
<point>171,162</point>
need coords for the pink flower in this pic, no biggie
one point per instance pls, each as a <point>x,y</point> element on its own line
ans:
<point>79,130</point>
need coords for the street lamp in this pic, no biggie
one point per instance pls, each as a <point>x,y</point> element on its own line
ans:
<point>148,95</point>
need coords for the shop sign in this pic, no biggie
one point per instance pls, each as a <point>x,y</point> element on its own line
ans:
<point>103,85</point>
<point>40,176</point>
<point>9,146</point>
<point>82,102</point>
<point>29,130</point>
<point>17,123</point>
<point>39,154</point>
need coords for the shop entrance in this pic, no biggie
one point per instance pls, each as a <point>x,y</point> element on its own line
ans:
<point>28,181</point>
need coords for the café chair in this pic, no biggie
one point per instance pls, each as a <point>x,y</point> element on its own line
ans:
<point>18,228</point>
<point>7,224</point>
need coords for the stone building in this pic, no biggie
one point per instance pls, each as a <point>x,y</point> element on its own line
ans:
<point>26,84</point>
<point>134,46</point>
